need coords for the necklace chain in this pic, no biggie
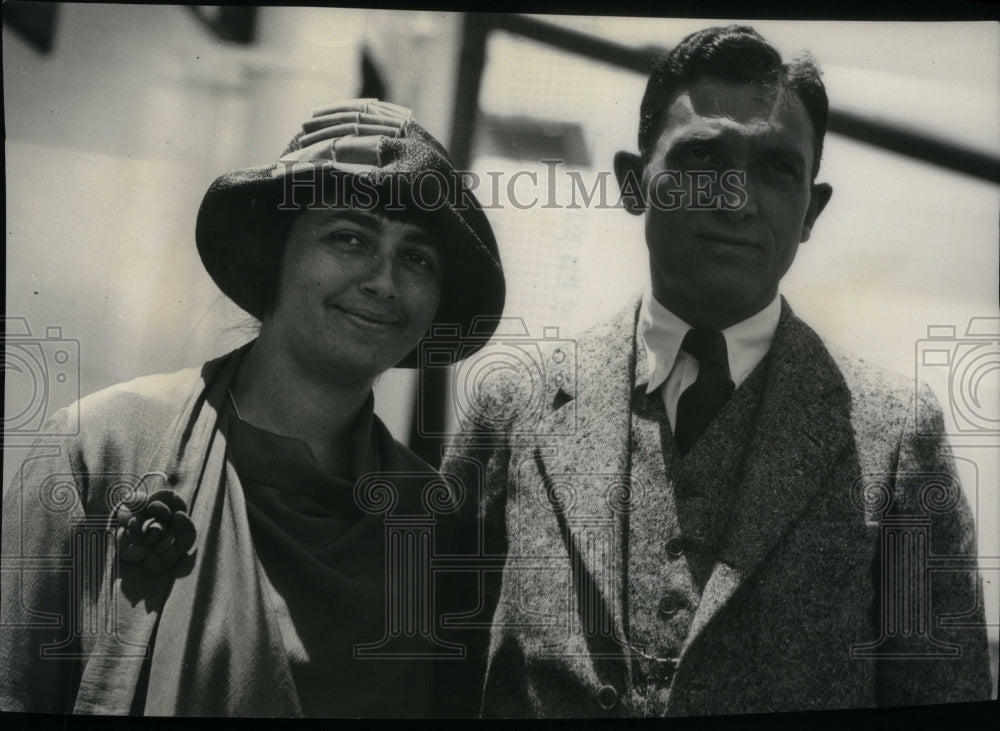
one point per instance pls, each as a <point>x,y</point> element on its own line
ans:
<point>235,407</point>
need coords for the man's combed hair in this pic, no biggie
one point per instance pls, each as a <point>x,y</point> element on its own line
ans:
<point>735,53</point>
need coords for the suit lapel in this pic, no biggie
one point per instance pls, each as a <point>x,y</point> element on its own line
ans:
<point>803,423</point>
<point>593,411</point>
<point>585,469</point>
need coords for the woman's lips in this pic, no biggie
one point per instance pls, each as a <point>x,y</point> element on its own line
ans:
<point>369,320</point>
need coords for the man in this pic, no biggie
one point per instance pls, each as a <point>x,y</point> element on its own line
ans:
<point>714,512</point>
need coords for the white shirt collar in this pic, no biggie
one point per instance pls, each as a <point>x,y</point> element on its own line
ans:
<point>662,332</point>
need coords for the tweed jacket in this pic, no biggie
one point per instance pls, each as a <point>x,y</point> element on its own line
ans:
<point>847,482</point>
<point>80,628</point>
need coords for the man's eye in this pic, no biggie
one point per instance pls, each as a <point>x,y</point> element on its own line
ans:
<point>782,168</point>
<point>698,156</point>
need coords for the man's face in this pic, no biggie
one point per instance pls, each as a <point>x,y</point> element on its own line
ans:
<point>716,267</point>
<point>356,291</point>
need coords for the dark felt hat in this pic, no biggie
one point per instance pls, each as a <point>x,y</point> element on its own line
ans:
<point>367,153</point>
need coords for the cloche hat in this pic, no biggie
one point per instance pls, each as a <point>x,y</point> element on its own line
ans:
<point>366,153</point>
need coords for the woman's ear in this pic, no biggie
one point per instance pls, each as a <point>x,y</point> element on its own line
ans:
<point>628,171</point>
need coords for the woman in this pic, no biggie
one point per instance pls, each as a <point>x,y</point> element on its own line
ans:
<point>213,542</point>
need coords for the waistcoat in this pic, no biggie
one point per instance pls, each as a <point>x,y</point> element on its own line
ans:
<point>676,528</point>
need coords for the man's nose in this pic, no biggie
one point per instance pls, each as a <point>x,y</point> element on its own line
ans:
<point>746,207</point>
<point>379,276</point>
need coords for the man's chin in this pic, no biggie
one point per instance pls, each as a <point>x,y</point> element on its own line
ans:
<point>721,301</point>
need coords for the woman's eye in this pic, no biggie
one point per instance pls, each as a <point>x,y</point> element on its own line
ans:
<point>420,259</point>
<point>346,239</point>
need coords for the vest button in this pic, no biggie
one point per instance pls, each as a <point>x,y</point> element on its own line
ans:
<point>668,606</point>
<point>607,697</point>
<point>675,547</point>
<point>663,670</point>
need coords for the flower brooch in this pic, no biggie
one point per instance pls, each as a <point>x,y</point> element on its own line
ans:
<point>155,531</point>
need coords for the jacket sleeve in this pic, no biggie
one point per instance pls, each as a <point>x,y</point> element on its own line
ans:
<point>929,594</point>
<point>38,632</point>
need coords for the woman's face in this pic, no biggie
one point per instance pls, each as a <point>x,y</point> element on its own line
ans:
<point>356,291</point>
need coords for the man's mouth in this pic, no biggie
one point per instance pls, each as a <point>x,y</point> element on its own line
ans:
<point>728,240</point>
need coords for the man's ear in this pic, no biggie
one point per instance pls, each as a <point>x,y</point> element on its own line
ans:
<point>628,171</point>
<point>819,196</point>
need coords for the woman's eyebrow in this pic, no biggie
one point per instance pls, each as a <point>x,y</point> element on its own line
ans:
<point>422,237</point>
<point>364,220</point>
<point>374,222</point>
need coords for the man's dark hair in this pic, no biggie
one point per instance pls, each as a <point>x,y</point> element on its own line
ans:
<point>735,53</point>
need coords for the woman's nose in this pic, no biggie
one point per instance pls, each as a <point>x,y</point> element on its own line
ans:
<point>379,278</point>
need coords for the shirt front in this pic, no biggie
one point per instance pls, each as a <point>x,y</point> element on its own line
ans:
<point>674,369</point>
<point>323,563</point>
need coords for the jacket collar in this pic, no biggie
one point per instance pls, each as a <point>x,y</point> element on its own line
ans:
<point>190,460</point>
<point>662,333</point>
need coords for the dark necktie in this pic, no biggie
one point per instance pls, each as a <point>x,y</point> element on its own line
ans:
<point>704,398</point>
